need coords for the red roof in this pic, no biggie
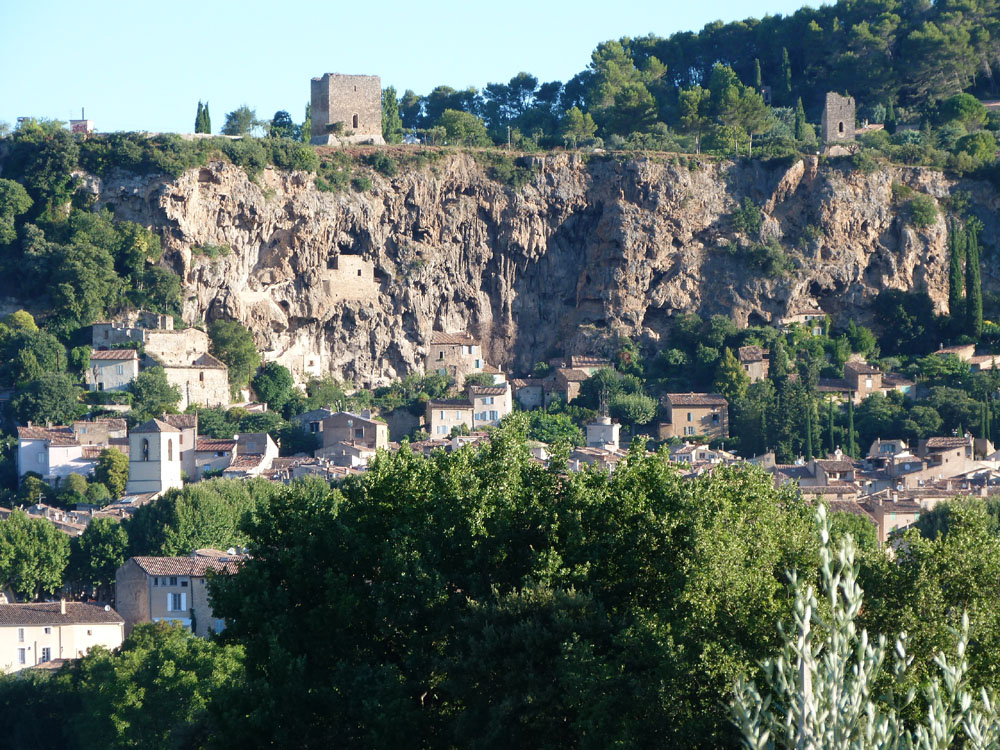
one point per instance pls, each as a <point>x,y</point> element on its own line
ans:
<point>189,566</point>
<point>460,338</point>
<point>115,354</point>
<point>695,399</point>
<point>55,435</point>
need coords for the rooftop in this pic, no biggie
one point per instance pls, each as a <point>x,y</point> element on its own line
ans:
<point>457,338</point>
<point>115,355</point>
<point>488,390</point>
<point>946,443</point>
<point>450,403</point>
<point>49,613</point>
<point>753,353</point>
<point>197,565</point>
<point>181,421</point>
<point>55,435</point>
<point>154,425</point>
<point>695,399</point>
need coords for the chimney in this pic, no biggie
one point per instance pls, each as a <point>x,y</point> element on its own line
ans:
<point>62,606</point>
<point>366,413</point>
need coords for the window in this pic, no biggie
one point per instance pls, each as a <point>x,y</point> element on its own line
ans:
<point>493,416</point>
<point>46,655</point>
<point>715,419</point>
<point>441,354</point>
<point>479,364</point>
<point>170,449</point>
<point>90,632</point>
<point>840,128</point>
<point>41,458</point>
<point>20,635</point>
<point>100,386</point>
<point>145,449</point>
<point>868,383</point>
<point>442,429</point>
<point>689,430</point>
<point>156,580</point>
<point>355,121</point>
<point>201,377</point>
<point>314,427</point>
<point>442,415</point>
<point>689,416</point>
<point>47,631</point>
<point>458,415</point>
<point>466,350</point>
<point>359,432</point>
<point>21,656</point>
<point>121,369</point>
<point>488,401</point>
<point>176,602</point>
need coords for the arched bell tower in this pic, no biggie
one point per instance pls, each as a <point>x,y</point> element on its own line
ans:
<point>154,461</point>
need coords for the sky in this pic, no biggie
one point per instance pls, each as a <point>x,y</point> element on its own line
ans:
<point>144,66</point>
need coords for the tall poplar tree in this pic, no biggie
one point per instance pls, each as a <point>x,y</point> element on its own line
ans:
<point>851,447</point>
<point>809,430</point>
<point>833,443</point>
<point>973,282</point>
<point>956,276</point>
<point>785,86</point>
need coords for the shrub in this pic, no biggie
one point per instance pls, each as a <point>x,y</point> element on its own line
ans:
<point>361,184</point>
<point>382,163</point>
<point>923,211</point>
<point>748,218</point>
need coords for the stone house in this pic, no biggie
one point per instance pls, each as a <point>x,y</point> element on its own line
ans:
<point>212,455</point>
<point>837,122</point>
<point>964,352</point>
<point>754,361</point>
<point>443,415</point>
<point>529,392</point>
<point>53,453</point>
<point>348,427</point>
<point>253,456</point>
<point>312,421</point>
<point>41,632</point>
<point>490,404</point>
<point>455,354</point>
<point>807,314</point>
<point>891,514</point>
<point>174,589</point>
<point>343,453</point>
<point>112,370</point>
<point>205,381</point>
<point>567,382</point>
<point>689,414</point>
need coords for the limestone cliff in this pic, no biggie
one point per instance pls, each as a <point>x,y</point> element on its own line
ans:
<point>354,283</point>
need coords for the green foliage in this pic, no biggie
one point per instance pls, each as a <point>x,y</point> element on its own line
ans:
<point>464,129</point>
<point>152,395</point>
<point>923,211</point>
<point>112,471</point>
<point>382,163</point>
<point>53,397</point>
<point>633,556</point>
<point>205,514</point>
<point>730,379</point>
<point>554,428</point>
<point>504,169</point>
<point>96,554</point>
<point>154,692</point>
<point>241,121</point>
<point>578,128</point>
<point>14,201</point>
<point>234,345</point>
<point>361,184</point>
<point>973,281</point>
<point>33,555</point>
<point>282,126</point>
<point>747,218</point>
<point>211,251</point>
<point>273,385</point>
<point>392,124</point>
<point>633,408</point>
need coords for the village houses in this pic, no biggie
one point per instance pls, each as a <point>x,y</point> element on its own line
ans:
<point>38,633</point>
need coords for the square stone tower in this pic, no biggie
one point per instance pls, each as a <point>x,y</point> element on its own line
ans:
<point>353,101</point>
<point>838,118</point>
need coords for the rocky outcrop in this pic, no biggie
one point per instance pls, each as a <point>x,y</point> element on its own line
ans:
<point>588,249</point>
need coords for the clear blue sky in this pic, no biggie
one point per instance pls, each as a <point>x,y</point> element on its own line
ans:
<point>139,65</point>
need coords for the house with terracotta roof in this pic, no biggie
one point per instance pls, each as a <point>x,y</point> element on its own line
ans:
<point>112,370</point>
<point>755,361</point>
<point>348,427</point>
<point>41,632</point>
<point>891,513</point>
<point>445,414</point>
<point>567,382</point>
<point>53,453</point>
<point>690,414</point>
<point>173,589</point>
<point>806,313</point>
<point>455,354</point>
<point>255,452</point>
<point>490,404</point>
<point>212,455</point>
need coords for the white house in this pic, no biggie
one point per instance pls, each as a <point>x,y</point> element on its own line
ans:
<point>40,632</point>
<point>112,370</point>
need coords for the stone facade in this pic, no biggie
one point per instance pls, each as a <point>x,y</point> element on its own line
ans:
<point>354,101</point>
<point>40,632</point>
<point>205,381</point>
<point>690,414</point>
<point>455,354</point>
<point>112,370</point>
<point>444,414</point>
<point>838,118</point>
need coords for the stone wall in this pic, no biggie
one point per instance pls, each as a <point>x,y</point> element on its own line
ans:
<point>352,277</point>
<point>838,118</point>
<point>355,101</point>
<point>176,347</point>
<point>206,386</point>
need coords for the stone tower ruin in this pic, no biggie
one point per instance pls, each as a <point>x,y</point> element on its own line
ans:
<point>346,109</point>
<point>838,118</point>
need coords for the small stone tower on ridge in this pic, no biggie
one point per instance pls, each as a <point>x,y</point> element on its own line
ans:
<point>346,109</point>
<point>838,118</point>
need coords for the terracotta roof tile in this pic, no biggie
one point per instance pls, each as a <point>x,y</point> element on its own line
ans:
<point>753,353</point>
<point>114,355</point>
<point>189,566</point>
<point>154,425</point>
<point>181,421</point>
<point>461,338</point>
<point>55,435</point>
<point>48,613</point>
<point>695,399</point>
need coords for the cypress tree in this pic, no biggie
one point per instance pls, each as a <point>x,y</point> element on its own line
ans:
<point>973,282</point>
<point>833,443</point>
<point>809,431</point>
<point>199,117</point>
<point>757,82</point>
<point>800,121</point>
<point>956,280</point>
<point>890,119</point>
<point>851,448</point>
<point>785,87</point>
<point>207,126</point>
<point>307,123</point>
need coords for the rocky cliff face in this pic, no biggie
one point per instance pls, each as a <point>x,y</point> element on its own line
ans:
<point>589,248</point>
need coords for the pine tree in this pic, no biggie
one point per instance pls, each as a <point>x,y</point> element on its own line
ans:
<point>956,280</point>
<point>800,121</point>
<point>757,82</point>
<point>199,117</point>
<point>785,87</point>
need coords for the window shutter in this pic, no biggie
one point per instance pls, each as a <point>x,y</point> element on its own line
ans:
<point>169,604</point>
<point>184,602</point>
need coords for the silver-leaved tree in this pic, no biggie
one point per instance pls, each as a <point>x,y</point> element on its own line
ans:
<point>818,693</point>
